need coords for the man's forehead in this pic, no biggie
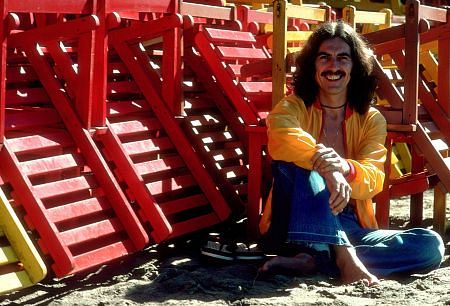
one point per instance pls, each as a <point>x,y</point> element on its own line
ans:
<point>334,45</point>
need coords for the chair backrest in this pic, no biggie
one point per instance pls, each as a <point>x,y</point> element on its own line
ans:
<point>280,41</point>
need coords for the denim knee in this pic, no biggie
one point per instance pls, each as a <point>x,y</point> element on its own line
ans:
<point>432,248</point>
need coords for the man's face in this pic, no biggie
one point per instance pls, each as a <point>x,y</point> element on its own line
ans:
<point>333,67</point>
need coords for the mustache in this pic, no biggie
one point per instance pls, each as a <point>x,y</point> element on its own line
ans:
<point>329,72</point>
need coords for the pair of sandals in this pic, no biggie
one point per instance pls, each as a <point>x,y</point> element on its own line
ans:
<point>229,251</point>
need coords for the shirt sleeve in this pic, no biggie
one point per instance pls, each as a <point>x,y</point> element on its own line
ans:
<point>287,141</point>
<point>368,164</point>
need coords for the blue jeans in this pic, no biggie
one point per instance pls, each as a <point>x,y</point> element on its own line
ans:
<point>301,213</point>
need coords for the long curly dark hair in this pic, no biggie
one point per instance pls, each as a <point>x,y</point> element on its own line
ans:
<point>362,85</point>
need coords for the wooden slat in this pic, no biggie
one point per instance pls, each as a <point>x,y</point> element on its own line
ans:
<point>25,96</point>
<point>194,224</point>
<point>103,254</point>
<point>127,128</point>
<point>122,108</point>
<point>42,141</point>
<point>160,165</point>
<point>53,189</point>
<point>122,87</point>
<point>305,12</point>
<point>48,165</point>
<point>7,255</point>
<point>256,88</point>
<point>20,73</point>
<point>205,120</point>
<point>240,53</point>
<point>207,11</point>
<point>147,146</point>
<point>77,209</point>
<point>26,118</point>
<point>90,232</point>
<point>370,17</point>
<point>227,154</point>
<point>171,184</point>
<point>235,172</point>
<point>175,206</point>
<point>216,35</point>
<point>14,280</point>
<point>431,129</point>
<point>440,145</point>
<point>215,137</point>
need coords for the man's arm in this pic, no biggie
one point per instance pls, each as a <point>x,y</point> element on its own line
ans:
<point>287,140</point>
<point>365,172</point>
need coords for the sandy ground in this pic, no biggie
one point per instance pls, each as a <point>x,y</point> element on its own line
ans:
<point>177,275</point>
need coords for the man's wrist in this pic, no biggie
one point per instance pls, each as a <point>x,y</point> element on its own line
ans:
<point>351,174</point>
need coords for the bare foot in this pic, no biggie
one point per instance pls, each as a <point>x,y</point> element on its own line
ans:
<point>351,268</point>
<point>300,264</point>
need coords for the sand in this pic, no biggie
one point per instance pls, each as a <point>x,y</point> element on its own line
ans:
<point>178,275</point>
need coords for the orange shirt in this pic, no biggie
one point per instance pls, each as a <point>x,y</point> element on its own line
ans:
<point>292,132</point>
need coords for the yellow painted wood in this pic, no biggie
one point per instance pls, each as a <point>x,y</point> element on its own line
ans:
<point>7,255</point>
<point>396,166</point>
<point>404,155</point>
<point>281,11</point>
<point>439,210</point>
<point>429,62</point>
<point>21,245</point>
<point>279,51</point>
<point>370,21</point>
<point>14,281</point>
<point>306,12</point>
<point>291,37</point>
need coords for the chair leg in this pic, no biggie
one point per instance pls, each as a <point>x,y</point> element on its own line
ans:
<point>382,209</point>
<point>439,206</point>
<point>416,202</point>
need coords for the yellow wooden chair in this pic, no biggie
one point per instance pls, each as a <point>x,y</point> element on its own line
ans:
<point>20,263</point>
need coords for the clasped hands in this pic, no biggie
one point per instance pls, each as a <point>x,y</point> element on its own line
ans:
<point>333,168</point>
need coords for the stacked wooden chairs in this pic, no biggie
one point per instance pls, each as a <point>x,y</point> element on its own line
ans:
<point>417,113</point>
<point>125,124</point>
<point>93,157</point>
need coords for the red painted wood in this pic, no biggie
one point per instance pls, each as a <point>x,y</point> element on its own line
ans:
<point>103,255</point>
<point>77,210</point>
<point>96,65</point>
<point>127,128</point>
<point>155,167</point>
<point>176,134</point>
<point>122,87</point>
<point>64,187</point>
<point>90,152</point>
<point>122,108</point>
<point>22,73</point>
<point>222,36</point>
<point>49,165</point>
<point>86,6</point>
<point>227,53</point>
<point>36,210</point>
<point>194,224</point>
<point>23,118</point>
<point>85,85</point>
<point>256,88</point>
<point>171,184</point>
<point>224,79</point>
<point>70,29</point>
<point>429,102</point>
<point>152,212</point>
<point>147,146</point>
<point>45,140</point>
<point>179,205</point>
<point>94,231</point>
<point>4,31</point>
<point>25,96</point>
